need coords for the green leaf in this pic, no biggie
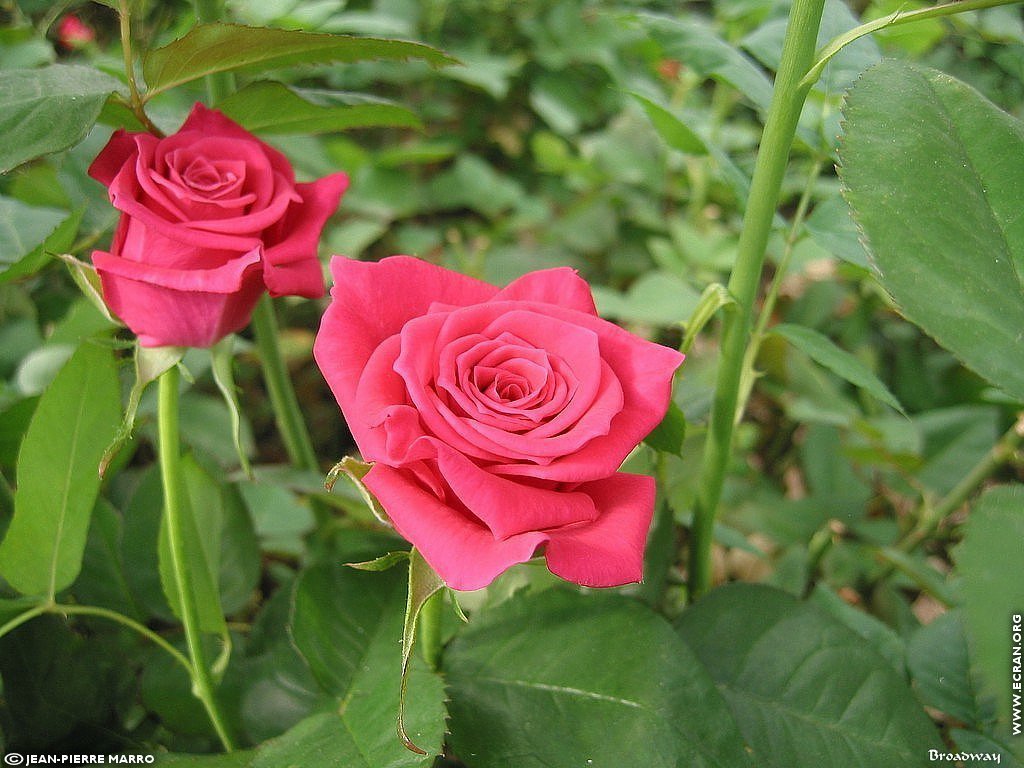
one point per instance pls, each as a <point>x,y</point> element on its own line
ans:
<point>347,625</point>
<point>201,521</point>
<point>275,108</point>
<point>882,637</point>
<point>57,478</point>
<point>49,109</point>
<point>935,176</point>
<point>221,360</point>
<point>990,561</point>
<point>804,689</point>
<point>677,134</point>
<point>211,48</point>
<point>823,351</point>
<point>559,679</point>
<point>696,45</point>
<point>939,665</point>
<point>668,436</point>
<point>30,235</point>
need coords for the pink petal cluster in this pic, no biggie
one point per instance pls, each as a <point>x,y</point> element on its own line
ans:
<point>496,420</point>
<point>210,218</point>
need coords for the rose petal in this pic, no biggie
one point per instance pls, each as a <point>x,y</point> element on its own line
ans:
<point>291,266</point>
<point>561,286</point>
<point>179,309</point>
<point>609,551</point>
<point>370,303</point>
<point>118,151</point>
<point>511,507</point>
<point>463,553</point>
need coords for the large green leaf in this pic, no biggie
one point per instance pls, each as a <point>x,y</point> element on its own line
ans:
<point>275,108</point>
<point>935,176</point>
<point>990,562</point>
<point>347,624</point>
<point>57,474</point>
<point>559,679</point>
<point>805,690</point>
<point>48,109</point>
<point>210,48</point>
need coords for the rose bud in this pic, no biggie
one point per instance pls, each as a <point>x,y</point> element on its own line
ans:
<point>210,218</point>
<point>496,420</point>
<point>73,33</point>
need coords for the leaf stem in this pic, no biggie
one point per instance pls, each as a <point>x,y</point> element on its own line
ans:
<point>173,486</point>
<point>895,19</point>
<point>135,102</point>
<point>21,618</point>
<point>105,613</point>
<point>772,159</point>
<point>932,517</point>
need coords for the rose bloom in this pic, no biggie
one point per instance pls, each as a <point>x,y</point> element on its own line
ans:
<point>73,33</point>
<point>496,420</point>
<point>210,218</point>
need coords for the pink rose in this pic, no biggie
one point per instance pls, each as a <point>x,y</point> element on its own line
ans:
<point>211,217</point>
<point>496,419</point>
<point>73,33</point>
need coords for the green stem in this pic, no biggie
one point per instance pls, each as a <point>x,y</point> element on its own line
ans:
<point>282,395</point>
<point>932,518</point>
<point>92,610</point>
<point>892,20</point>
<point>221,84</point>
<point>772,158</point>
<point>768,306</point>
<point>174,501</point>
<point>430,630</point>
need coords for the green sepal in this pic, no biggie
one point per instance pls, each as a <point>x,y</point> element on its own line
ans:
<point>223,376</point>
<point>150,362</point>
<point>88,282</point>
<point>382,563</point>
<point>424,583</point>
<point>355,470</point>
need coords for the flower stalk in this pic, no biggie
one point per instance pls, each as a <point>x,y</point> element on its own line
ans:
<point>169,448</point>
<point>776,140</point>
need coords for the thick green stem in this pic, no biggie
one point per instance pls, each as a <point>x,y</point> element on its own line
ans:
<point>174,501</point>
<point>221,84</point>
<point>772,158</point>
<point>282,395</point>
<point>21,618</point>
<point>430,630</point>
<point>768,306</point>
